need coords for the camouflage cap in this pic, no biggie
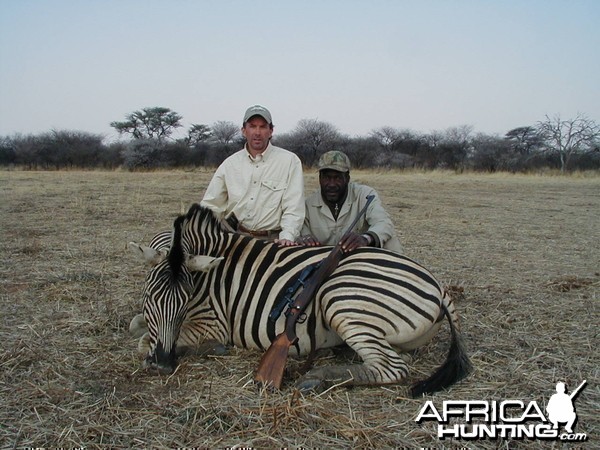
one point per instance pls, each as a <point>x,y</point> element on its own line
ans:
<point>334,160</point>
<point>257,110</point>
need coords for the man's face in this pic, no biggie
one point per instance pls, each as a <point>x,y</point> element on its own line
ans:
<point>257,132</point>
<point>334,184</point>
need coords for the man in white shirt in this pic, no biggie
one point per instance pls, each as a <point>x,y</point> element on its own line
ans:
<point>261,185</point>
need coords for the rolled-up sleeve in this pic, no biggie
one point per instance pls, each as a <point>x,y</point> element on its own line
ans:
<point>216,196</point>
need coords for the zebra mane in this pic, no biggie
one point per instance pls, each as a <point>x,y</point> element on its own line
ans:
<point>198,217</point>
<point>204,218</point>
<point>176,256</point>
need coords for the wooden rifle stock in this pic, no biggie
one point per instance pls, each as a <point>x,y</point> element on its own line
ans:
<point>272,364</point>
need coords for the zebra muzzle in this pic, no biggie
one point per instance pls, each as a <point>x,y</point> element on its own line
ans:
<point>164,363</point>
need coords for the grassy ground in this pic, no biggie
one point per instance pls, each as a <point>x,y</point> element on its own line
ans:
<point>521,252</point>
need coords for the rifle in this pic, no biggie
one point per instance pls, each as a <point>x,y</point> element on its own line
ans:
<point>272,364</point>
<point>288,298</point>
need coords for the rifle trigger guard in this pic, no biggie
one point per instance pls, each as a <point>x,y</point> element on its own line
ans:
<point>292,310</point>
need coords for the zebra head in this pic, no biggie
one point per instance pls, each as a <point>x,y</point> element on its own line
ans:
<point>167,292</point>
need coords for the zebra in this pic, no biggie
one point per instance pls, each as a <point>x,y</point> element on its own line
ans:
<point>213,287</point>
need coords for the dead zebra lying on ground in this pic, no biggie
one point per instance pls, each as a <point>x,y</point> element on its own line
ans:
<point>209,287</point>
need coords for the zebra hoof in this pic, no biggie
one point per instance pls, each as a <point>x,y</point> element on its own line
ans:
<point>211,348</point>
<point>160,362</point>
<point>161,369</point>
<point>314,385</point>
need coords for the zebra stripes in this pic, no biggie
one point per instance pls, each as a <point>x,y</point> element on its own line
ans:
<point>214,286</point>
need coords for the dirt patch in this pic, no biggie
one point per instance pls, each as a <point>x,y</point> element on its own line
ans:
<point>571,283</point>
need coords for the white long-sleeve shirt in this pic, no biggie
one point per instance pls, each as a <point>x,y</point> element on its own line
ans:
<point>264,193</point>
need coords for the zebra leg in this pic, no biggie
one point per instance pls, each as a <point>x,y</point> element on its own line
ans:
<point>192,342</point>
<point>420,341</point>
<point>206,348</point>
<point>381,365</point>
<point>139,329</point>
<point>144,344</point>
<point>137,326</point>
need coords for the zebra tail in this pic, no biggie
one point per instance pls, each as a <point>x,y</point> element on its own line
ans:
<point>456,367</point>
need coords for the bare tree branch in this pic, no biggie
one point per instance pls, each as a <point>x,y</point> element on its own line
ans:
<point>568,137</point>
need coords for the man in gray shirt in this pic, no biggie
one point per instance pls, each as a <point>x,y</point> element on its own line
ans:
<point>330,210</point>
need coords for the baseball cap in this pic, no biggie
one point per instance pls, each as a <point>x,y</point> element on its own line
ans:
<point>334,160</point>
<point>258,110</point>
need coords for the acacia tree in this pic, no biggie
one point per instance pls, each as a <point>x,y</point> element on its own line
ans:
<point>524,140</point>
<point>568,137</point>
<point>491,153</point>
<point>225,132</point>
<point>198,134</point>
<point>8,154</point>
<point>450,148</point>
<point>386,137</point>
<point>149,123</point>
<point>316,137</point>
<point>75,148</point>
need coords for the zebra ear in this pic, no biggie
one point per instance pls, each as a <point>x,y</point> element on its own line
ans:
<point>148,254</point>
<point>202,263</point>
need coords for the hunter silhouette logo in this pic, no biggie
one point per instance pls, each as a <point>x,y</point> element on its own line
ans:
<point>560,407</point>
<point>506,419</point>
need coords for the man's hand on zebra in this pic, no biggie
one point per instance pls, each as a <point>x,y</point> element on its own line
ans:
<point>352,241</point>
<point>285,243</point>
<point>308,241</point>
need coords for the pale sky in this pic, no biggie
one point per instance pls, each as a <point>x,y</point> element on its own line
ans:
<point>360,65</point>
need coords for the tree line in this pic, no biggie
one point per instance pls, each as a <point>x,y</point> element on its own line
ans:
<point>552,143</point>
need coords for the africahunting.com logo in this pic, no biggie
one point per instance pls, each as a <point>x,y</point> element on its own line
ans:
<point>507,419</point>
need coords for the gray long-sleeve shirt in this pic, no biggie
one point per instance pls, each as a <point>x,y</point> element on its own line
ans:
<point>320,223</point>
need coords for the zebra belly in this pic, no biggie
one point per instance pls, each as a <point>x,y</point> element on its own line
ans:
<point>318,337</point>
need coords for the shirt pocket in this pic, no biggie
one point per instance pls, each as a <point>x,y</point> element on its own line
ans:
<point>271,193</point>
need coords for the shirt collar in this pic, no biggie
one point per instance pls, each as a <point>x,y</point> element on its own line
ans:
<point>264,156</point>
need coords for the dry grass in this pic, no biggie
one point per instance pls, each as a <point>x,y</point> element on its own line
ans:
<point>520,252</point>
